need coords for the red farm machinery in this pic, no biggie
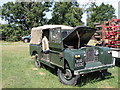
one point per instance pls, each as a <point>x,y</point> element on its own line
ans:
<point>108,35</point>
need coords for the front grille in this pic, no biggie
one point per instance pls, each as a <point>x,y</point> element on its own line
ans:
<point>90,55</point>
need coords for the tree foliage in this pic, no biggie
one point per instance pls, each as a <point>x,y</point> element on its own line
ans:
<point>22,16</point>
<point>67,13</point>
<point>10,34</point>
<point>99,13</point>
<point>25,14</point>
<point>0,10</point>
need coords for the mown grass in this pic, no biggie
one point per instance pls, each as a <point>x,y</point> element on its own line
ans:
<point>18,71</point>
<point>0,66</point>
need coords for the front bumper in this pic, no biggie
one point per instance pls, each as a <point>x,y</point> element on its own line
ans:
<point>93,69</point>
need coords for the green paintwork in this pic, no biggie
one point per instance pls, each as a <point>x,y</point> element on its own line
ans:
<point>59,54</point>
<point>55,45</point>
<point>47,63</point>
<point>35,48</point>
<point>93,64</point>
<point>69,56</point>
<point>104,57</point>
<point>56,59</point>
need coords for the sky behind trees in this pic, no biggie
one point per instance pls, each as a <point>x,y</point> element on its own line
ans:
<point>114,3</point>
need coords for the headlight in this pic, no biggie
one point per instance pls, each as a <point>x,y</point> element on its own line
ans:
<point>77,56</point>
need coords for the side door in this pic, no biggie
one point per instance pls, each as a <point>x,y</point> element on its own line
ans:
<point>56,47</point>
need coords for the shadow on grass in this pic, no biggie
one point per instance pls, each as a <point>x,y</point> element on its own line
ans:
<point>53,71</point>
<point>93,78</point>
<point>87,78</point>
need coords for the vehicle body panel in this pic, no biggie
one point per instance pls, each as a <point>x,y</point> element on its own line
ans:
<point>91,58</point>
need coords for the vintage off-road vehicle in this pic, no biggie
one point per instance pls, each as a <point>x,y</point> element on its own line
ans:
<point>65,49</point>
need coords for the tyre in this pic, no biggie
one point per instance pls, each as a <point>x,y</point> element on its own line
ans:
<point>67,77</point>
<point>26,40</point>
<point>36,61</point>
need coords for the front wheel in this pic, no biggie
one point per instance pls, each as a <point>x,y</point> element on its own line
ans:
<point>36,61</point>
<point>66,77</point>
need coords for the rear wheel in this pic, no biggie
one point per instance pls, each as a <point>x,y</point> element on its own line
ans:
<point>36,61</point>
<point>66,76</point>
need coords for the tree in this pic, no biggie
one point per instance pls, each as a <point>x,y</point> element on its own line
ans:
<point>67,13</point>
<point>99,13</point>
<point>10,34</point>
<point>22,16</point>
<point>25,14</point>
<point>0,10</point>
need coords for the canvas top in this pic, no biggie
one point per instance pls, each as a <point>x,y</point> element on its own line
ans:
<point>36,32</point>
<point>52,26</point>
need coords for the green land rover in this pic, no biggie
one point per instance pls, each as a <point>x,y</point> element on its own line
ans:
<point>65,49</point>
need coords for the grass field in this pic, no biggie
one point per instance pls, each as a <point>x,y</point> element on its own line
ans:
<point>18,71</point>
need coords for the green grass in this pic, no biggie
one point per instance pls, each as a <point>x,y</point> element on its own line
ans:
<point>0,66</point>
<point>18,71</point>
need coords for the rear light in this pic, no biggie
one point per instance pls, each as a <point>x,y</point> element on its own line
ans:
<point>110,52</point>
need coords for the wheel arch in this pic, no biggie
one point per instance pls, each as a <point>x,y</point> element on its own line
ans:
<point>68,63</point>
<point>26,38</point>
<point>65,62</point>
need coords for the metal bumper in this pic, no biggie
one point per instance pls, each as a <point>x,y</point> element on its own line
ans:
<point>88,70</point>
